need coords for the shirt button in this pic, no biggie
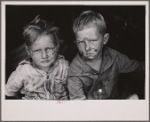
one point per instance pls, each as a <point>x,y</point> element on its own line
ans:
<point>100,90</point>
<point>95,73</point>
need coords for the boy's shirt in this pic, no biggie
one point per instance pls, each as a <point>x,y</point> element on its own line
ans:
<point>28,78</point>
<point>86,83</point>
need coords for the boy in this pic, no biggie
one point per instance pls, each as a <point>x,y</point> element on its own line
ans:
<point>93,73</point>
<point>37,75</point>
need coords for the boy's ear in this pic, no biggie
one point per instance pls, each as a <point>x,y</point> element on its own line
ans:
<point>27,49</point>
<point>106,38</point>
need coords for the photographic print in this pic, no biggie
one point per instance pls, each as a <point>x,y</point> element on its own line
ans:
<point>74,60</point>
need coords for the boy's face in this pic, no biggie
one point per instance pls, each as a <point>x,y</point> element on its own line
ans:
<point>43,52</point>
<point>90,41</point>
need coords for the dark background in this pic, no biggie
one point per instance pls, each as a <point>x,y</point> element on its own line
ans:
<point>126,25</point>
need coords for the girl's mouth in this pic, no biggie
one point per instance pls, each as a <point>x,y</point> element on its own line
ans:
<point>45,61</point>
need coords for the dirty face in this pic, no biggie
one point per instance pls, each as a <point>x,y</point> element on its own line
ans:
<point>90,41</point>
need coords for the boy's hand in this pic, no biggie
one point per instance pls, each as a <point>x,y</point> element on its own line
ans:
<point>133,97</point>
<point>61,70</point>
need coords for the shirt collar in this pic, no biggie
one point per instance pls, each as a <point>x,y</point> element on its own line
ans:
<point>107,58</point>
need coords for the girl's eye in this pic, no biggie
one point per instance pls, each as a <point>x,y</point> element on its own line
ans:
<point>93,40</point>
<point>37,51</point>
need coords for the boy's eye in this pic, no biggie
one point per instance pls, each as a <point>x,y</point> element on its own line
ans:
<point>80,42</point>
<point>49,49</point>
<point>93,40</point>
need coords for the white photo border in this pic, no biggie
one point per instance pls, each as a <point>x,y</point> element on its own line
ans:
<point>125,110</point>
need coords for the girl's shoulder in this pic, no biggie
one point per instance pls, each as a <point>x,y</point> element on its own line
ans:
<point>24,66</point>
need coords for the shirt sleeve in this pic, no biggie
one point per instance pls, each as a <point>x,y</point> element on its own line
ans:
<point>14,84</point>
<point>75,88</point>
<point>126,65</point>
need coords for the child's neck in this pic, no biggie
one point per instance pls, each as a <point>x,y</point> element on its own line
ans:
<point>45,69</point>
<point>95,63</point>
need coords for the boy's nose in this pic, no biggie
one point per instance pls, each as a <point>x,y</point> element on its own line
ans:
<point>87,45</point>
<point>44,54</point>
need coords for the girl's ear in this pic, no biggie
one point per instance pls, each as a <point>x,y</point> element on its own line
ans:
<point>27,49</point>
<point>106,38</point>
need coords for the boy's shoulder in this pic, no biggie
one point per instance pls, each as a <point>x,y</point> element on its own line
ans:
<point>111,52</point>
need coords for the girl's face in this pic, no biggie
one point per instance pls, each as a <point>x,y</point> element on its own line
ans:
<point>90,41</point>
<point>43,52</point>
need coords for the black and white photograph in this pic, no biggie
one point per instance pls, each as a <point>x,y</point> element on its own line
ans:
<point>74,60</point>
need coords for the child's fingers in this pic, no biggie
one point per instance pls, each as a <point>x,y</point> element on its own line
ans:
<point>66,67</point>
<point>26,98</point>
<point>56,72</point>
<point>31,94</point>
<point>59,70</point>
<point>23,98</point>
<point>52,83</point>
<point>133,97</point>
<point>63,71</point>
<point>63,66</point>
<point>66,74</point>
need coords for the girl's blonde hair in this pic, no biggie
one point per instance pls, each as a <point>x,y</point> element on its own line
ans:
<point>38,27</point>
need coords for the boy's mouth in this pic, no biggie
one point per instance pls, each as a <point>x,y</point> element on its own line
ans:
<point>89,54</point>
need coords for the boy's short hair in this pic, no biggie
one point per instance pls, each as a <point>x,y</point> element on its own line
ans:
<point>39,27</point>
<point>89,17</point>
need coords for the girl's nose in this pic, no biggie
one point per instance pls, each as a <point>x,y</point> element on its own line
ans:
<point>44,54</point>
